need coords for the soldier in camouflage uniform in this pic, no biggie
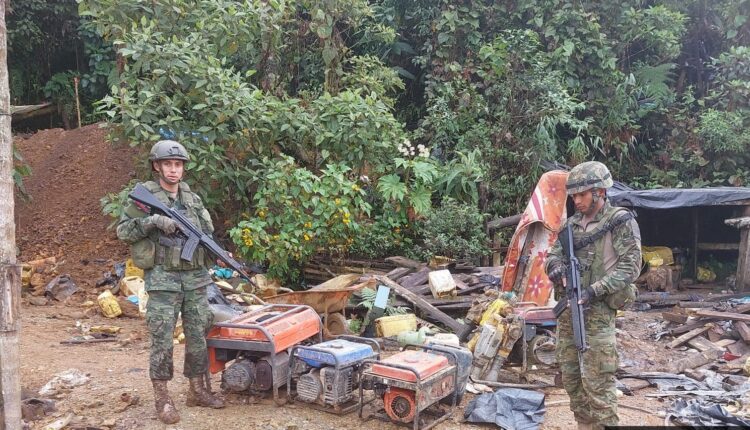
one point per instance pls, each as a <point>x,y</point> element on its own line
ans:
<point>608,248</point>
<point>173,285</point>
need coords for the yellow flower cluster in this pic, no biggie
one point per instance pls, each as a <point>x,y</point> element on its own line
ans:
<point>355,187</point>
<point>307,237</point>
<point>247,237</point>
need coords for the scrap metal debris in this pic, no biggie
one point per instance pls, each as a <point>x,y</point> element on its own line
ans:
<point>702,413</point>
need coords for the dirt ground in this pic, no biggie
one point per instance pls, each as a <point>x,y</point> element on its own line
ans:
<point>122,367</point>
<point>72,170</point>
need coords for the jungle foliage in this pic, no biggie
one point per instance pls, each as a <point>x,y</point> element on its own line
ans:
<point>412,102</point>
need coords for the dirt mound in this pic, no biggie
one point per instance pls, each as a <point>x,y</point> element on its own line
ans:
<point>71,171</point>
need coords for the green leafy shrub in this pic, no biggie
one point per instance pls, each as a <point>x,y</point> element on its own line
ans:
<point>113,203</point>
<point>454,230</point>
<point>299,213</point>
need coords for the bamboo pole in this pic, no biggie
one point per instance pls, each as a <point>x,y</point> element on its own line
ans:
<point>10,272</point>
<point>78,102</point>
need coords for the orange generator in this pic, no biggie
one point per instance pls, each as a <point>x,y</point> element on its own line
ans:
<point>257,344</point>
<point>411,381</point>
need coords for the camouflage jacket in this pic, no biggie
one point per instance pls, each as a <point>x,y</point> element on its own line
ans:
<point>613,261</point>
<point>159,254</point>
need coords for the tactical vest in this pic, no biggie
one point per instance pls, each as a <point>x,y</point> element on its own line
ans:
<point>161,249</point>
<point>589,249</point>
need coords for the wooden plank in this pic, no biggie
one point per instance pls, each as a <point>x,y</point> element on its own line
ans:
<point>416,279</point>
<point>743,330</point>
<point>504,222</point>
<point>706,246</point>
<point>743,262</point>
<point>723,315</point>
<point>702,344</point>
<point>723,343</point>
<point>695,360</point>
<point>405,262</point>
<point>739,348</point>
<point>461,330</point>
<point>475,289</point>
<point>715,334</point>
<point>675,317</point>
<point>460,285</point>
<point>696,304</point>
<point>399,272</point>
<point>687,327</point>
<point>689,335</point>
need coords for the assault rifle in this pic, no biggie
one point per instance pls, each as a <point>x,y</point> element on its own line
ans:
<point>572,283</point>
<point>194,236</point>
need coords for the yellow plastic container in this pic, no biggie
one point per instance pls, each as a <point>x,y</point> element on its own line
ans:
<point>132,270</point>
<point>26,271</point>
<point>108,304</point>
<point>663,252</point>
<point>500,307</point>
<point>132,285</point>
<point>393,325</point>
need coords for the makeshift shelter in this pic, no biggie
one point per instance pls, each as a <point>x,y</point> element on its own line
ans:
<point>693,219</point>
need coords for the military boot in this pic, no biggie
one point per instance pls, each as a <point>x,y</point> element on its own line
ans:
<point>165,409</point>
<point>199,396</point>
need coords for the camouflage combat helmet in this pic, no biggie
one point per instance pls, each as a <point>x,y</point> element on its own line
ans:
<point>588,175</point>
<point>168,150</point>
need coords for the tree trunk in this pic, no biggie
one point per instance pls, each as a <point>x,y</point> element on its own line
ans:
<point>10,273</point>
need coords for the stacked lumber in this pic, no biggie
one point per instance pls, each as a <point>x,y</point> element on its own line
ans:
<point>321,269</point>
<point>709,333</point>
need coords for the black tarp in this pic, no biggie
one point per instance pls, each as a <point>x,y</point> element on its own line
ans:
<point>666,198</point>
<point>508,408</point>
<point>670,198</point>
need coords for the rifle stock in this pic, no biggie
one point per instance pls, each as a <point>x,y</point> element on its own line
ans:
<point>573,290</point>
<point>194,235</point>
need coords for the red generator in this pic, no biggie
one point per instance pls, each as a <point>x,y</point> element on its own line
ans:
<point>257,344</point>
<point>412,381</point>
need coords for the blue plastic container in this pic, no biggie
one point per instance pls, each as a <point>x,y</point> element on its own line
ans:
<point>325,354</point>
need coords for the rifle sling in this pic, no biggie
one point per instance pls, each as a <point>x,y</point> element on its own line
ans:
<point>606,228</point>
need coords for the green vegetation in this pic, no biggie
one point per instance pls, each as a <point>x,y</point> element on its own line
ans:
<point>412,102</point>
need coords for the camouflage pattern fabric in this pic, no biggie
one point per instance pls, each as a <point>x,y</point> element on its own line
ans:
<point>161,317</point>
<point>131,230</point>
<point>173,288</point>
<point>588,175</point>
<point>592,389</point>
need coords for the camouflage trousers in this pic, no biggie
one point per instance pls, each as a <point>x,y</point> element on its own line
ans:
<point>592,390</point>
<point>161,317</point>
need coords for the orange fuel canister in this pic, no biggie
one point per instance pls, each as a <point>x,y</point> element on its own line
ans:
<point>284,325</point>
<point>424,363</point>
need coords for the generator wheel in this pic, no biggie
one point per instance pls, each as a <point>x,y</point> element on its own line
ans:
<point>335,325</point>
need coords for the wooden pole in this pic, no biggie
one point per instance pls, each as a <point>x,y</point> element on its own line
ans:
<point>78,102</point>
<point>10,272</point>
<point>743,261</point>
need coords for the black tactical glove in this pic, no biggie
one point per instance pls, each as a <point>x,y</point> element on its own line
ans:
<point>586,296</point>
<point>163,223</point>
<point>556,272</point>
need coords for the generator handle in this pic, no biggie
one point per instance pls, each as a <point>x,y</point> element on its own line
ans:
<point>360,339</point>
<point>411,369</point>
<point>438,351</point>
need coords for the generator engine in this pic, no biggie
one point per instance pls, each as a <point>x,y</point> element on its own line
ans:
<point>327,374</point>
<point>256,344</point>
<point>412,381</point>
